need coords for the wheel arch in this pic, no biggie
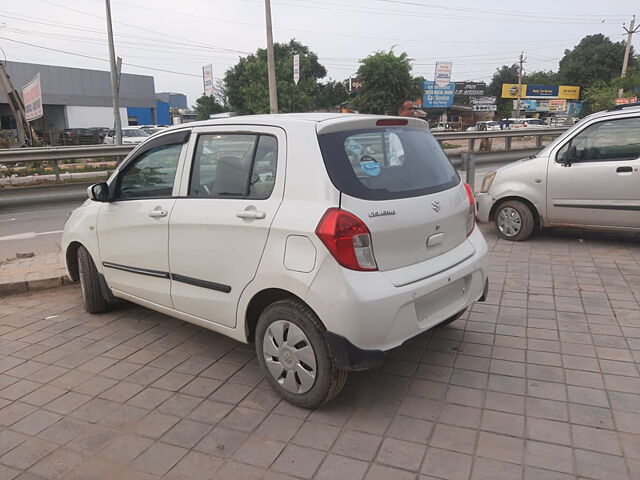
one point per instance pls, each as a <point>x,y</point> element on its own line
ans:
<point>71,258</point>
<point>262,300</point>
<point>536,214</point>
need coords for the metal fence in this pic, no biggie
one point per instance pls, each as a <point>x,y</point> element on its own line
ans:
<point>466,159</point>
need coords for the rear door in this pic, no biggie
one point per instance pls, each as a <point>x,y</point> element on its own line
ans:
<point>219,226</point>
<point>400,183</point>
<point>601,186</point>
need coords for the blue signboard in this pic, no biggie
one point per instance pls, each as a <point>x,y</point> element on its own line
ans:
<point>541,91</point>
<point>528,105</point>
<point>438,97</point>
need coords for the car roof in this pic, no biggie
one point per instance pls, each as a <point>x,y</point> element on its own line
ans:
<point>279,119</point>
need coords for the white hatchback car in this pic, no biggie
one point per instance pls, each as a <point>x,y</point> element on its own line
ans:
<point>130,136</point>
<point>325,239</point>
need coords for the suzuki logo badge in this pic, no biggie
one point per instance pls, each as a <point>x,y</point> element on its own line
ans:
<point>436,205</point>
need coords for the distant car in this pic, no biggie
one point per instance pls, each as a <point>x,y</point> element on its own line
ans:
<point>130,136</point>
<point>101,132</point>
<point>484,126</point>
<point>444,127</point>
<point>515,123</point>
<point>150,129</point>
<point>78,136</point>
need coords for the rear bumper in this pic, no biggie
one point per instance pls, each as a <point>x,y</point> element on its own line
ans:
<point>349,357</point>
<point>371,313</point>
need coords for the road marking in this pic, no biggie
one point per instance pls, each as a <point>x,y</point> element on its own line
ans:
<point>8,220</point>
<point>28,235</point>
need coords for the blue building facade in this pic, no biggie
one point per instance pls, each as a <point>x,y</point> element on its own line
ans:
<point>150,116</point>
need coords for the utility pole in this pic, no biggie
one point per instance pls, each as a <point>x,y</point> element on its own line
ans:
<point>625,63</point>
<point>521,60</point>
<point>114,77</point>
<point>271,63</point>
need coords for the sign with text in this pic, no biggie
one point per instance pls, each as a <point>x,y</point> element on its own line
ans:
<point>207,79</point>
<point>626,101</point>
<point>483,101</point>
<point>32,97</point>
<point>354,84</point>
<point>563,92</point>
<point>557,105</point>
<point>470,89</point>
<point>296,68</point>
<point>443,74</point>
<point>436,96</point>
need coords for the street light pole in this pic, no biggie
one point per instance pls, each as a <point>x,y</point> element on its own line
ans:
<point>519,100</point>
<point>114,77</point>
<point>625,63</point>
<point>271,64</point>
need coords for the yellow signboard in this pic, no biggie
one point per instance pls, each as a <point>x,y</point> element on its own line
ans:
<point>510,90</point>
<point>565,92</point>
<point>569,92</point>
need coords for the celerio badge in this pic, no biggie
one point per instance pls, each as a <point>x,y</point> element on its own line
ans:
<point>435,204</point>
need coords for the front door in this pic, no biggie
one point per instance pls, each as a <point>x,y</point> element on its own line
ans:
<point>133,229</point>
<point>594,178</point>
<point>220,224</point>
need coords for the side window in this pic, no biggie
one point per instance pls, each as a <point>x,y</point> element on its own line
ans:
<point>234,166</point>
<point>263,175</point>
<point>151,175</point>
<point>605,141</point>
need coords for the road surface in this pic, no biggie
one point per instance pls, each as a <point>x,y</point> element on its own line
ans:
<point>33,228</point>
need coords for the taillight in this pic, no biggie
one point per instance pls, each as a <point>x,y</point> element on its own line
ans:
<point>471,214</point>
<point>391,122</point>
<point>348,239</point>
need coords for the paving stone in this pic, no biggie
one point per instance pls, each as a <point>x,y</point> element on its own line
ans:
<point>299,461</point>
<point>27,453</point>
<point>446,464</point>
<point>126,447</point>
<point>401,454</point>
<point>546,455</point>
<point>159,458</point>
<point>186,433</point>
<point>454,438</point>
<point>357,445</point>
<point>195,466</point>
<point>259,451</point>
<point>316,435</point>
<point>221,442</point>
<point>336,466</point>
<point>36,422</point>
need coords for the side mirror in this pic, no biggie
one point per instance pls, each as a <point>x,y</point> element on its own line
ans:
<point>570,157</point>
<point>99,192</point>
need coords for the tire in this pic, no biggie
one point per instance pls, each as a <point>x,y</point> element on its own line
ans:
<point>92,298</point>
<point>288,368</point>
<point>514,220</point>
<point>450,320</point>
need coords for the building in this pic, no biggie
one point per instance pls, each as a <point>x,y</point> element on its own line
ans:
<point>78,97</point>
<point>175,100</point>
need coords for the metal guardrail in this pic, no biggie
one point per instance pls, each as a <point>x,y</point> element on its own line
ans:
<point>465,160</point>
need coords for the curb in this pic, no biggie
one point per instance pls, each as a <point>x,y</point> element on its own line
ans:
<point>17,288</point>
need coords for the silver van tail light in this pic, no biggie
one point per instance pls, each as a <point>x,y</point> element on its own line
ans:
<point>471,214</point>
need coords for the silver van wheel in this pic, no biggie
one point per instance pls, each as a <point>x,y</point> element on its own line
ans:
<point>289,356</point>
<point>509,222</point>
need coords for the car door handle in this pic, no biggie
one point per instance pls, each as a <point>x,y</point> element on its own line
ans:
<point>624,169</point>
<point>251,214</point>
<point>158,213</point>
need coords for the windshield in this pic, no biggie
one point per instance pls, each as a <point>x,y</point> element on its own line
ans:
<point>546,150</point>
<point>387,163</point>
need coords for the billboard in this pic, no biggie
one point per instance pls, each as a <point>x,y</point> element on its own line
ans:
<point>626,101</point>
<point>443,74</point>
<point>470,89</point>
<point>207,78</point>
<point>565,92</point>
<point>436,96</point>
<point>32,97</point>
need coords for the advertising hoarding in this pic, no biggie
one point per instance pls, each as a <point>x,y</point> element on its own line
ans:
<point>443,74</point>
<point>296,68</point>
<point>32,98</point>
<point>565,92</point>
<point>436,96</point>
<point>207,79</point>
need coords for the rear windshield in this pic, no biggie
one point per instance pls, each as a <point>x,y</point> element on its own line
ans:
<point>387,163</point>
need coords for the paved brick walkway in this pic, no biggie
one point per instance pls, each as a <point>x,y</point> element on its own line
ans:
<point>539,383</point>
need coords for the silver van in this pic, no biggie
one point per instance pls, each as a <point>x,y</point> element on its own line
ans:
<point>589,177</point>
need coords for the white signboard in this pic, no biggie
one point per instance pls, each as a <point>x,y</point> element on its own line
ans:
<point>207,78</point>
<point>443,74</point>
<point>32,97</point>
<point>296,68</point>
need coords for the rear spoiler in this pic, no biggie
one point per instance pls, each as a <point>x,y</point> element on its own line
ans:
<point>363,122</point>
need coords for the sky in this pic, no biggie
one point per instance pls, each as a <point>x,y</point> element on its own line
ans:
<point>172,40</point>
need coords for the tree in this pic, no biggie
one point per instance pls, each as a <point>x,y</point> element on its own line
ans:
<point>331,94</point>
<point>595,59</point>
<point>247,87</point>
<point>206,106</point>
<point>599,96</point>
<point>504,74</point>
<point>541,78</point>
<point>386,79</point>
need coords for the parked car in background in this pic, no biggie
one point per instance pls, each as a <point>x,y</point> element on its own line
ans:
<point>324,239</point>
<point>130,135</point>
<point>150,129</point>
<point>444,127</point>
<point>78,136</point>
<point>101,132</point>
<point>589,177</point>
<point>515,123</point>
<point>484,126</point>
